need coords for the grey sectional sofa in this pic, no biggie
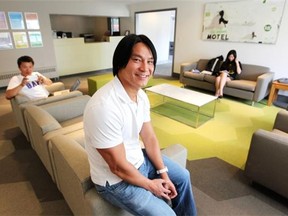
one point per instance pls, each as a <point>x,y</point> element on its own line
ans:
<point>49,120</point>
<point>72,172</point>
<point>253,84</point>
<point>57,136</point>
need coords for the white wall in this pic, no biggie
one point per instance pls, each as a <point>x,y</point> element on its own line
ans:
<point>45,56</point>
<point>190,47</point>
<point>188,43</point>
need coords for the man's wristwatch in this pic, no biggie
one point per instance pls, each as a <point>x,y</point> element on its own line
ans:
<point>165,169</point>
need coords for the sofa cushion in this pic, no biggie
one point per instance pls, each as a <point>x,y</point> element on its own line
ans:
<point>201,65</point>
<point>72,121</point>
<point>251,72</point>
<point>78,136</point>
<point>57,86</point>
<point>209,78</point>
<point>63,130</point>
<point>196,76</point>
<point>242,84</point>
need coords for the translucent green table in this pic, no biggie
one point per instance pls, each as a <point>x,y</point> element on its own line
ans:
<point>184,105</point>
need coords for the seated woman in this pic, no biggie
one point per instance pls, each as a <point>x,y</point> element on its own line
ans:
<point>229,70</point>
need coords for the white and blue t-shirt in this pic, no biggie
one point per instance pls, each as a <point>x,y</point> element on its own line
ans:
<point>33,89</point>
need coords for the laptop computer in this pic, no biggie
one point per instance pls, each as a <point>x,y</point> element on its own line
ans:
<point>75,85</point>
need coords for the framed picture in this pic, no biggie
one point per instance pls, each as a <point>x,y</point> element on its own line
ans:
<point>32,21</point>
<point>20,40</point>
<point>16,20</point>
<point>35,39</point>
<point>5,41</point>
<point>3,21</point>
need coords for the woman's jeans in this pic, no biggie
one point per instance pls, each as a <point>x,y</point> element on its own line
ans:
<point>139,201</point>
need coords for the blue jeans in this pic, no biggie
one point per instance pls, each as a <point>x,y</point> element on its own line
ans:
<point>139,201</point>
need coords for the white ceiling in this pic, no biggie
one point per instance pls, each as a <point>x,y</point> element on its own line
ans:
<point>124,1</point>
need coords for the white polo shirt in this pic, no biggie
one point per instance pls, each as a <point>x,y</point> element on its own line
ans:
<point>33,89</point>
<point>112,118</point>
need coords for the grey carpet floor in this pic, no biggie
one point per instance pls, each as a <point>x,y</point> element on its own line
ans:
<point>27,189</point>
<point>223,189</point>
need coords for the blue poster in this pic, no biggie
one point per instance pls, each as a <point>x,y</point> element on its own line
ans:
<point>16,20</point>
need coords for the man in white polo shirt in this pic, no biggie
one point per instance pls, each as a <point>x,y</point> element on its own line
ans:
<point>28,83</point>
<point>143,182</point>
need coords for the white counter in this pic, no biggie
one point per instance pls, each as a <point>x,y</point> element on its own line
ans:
<point>74,56</point>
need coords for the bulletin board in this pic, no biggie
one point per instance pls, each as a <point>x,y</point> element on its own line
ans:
<point>253,21</point>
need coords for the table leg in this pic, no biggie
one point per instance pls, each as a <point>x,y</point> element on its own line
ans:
<point>197,116</point>
<point>272,95</point>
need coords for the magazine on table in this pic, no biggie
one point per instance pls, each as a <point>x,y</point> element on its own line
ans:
<point>283,80</point>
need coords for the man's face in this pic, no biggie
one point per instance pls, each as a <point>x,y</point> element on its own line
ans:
<point>139,68</point>
<point>26,68</point>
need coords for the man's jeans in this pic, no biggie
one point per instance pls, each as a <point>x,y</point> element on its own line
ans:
<point>139,201</point>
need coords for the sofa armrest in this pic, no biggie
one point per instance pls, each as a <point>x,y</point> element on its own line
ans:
<point>57,86</point>
<point>42,118</point>
<point>187,66</point>
<point>96,205</point>
<point>54,98</point>
<point>177,153</point>
<point>281,121</point>
<point>263,85</point>
<point>19,99</point>
<point>72,171</point>
<point>267,161</point>
<point>63,131</point>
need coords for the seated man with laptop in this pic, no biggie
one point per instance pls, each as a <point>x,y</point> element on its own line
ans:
<point>28,83</point>
<point>32,84</point>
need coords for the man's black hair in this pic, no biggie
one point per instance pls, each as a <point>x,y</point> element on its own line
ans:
<point>24,59</point>
<point>124,49</point>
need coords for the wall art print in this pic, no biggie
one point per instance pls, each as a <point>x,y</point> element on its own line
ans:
<point>256,21</point>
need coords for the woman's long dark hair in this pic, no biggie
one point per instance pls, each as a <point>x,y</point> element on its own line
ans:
<point>123,51</point>
<point>231,52</point>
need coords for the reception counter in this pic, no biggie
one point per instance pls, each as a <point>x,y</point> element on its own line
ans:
<point>74,56</point>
